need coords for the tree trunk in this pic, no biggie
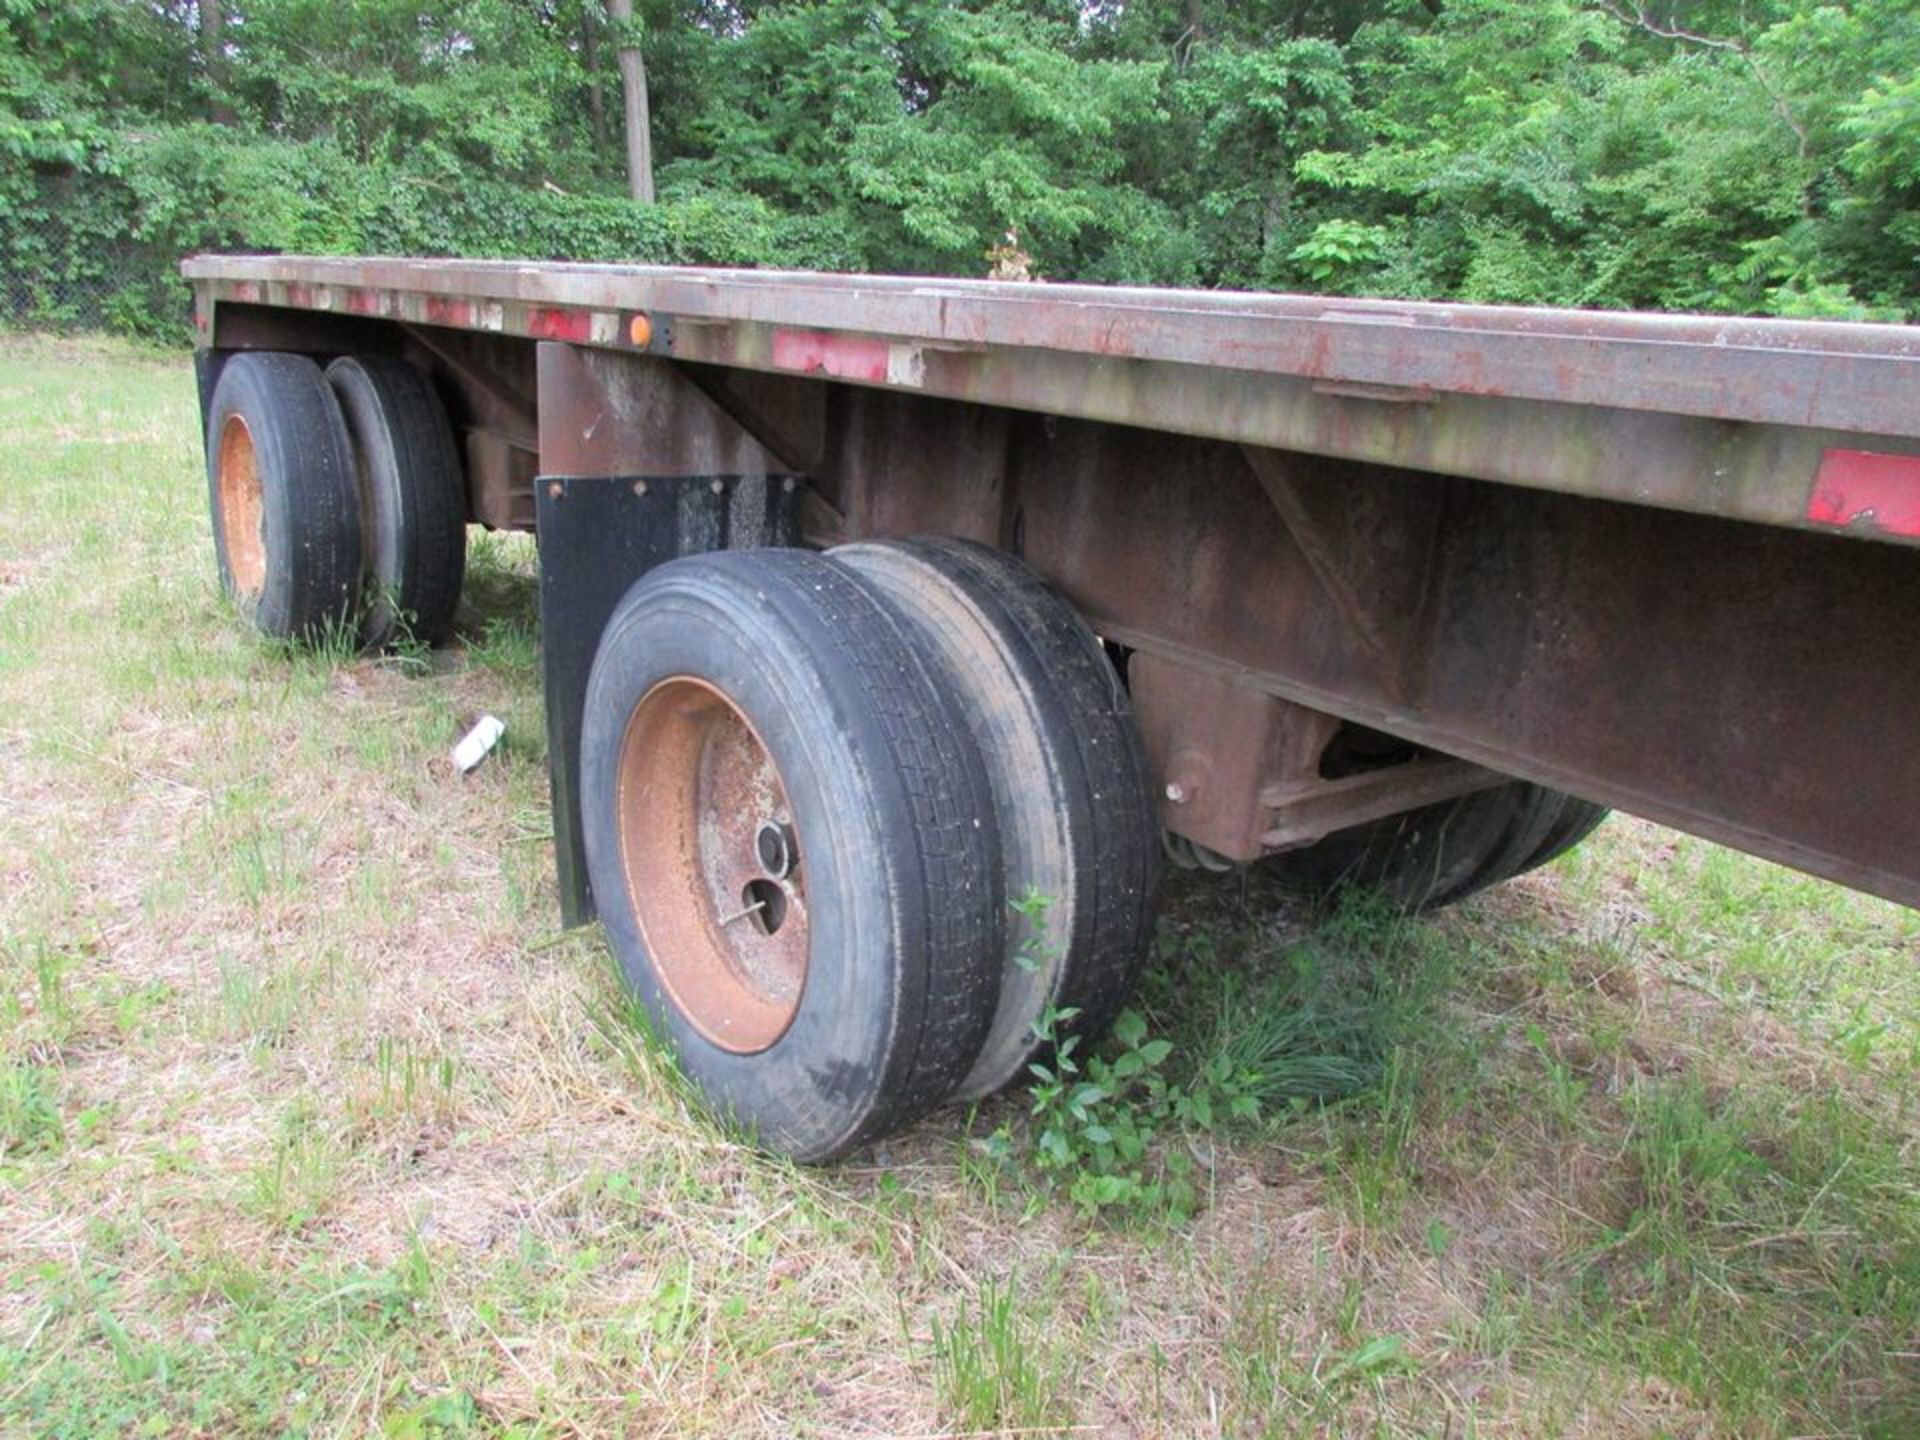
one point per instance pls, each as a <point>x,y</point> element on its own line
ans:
<point>590,62</point>
<point>633,88</point>
<point>213,54</point>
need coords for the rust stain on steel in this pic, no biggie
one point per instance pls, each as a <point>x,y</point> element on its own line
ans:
<point>1820,374</point>
<point>612,412</point>
<point>1752,684</point>
<point>1330,562</point>
<point>1712,416</point>
<point>242,508</point>
<point>1312,810</point>
<point>1219,749</point>
<point>1683,668</point>
<point>1742,471</point>
<point>1240,772</point>
<point>727,935</point>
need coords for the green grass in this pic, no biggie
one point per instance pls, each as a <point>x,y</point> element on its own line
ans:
<point>29,1109</point>
<point>312,1122</point>
<point>999,1369</point>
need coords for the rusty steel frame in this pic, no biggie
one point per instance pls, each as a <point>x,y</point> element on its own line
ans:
<point>1751,684</point>
<point>1242,771</point>
<point>1722,416</point>
<point>1402,517</point>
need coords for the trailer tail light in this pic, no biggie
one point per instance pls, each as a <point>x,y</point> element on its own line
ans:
<point>1865,488</point>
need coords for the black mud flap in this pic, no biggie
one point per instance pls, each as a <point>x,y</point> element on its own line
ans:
<point>207,365</point>
<point>598,534</point>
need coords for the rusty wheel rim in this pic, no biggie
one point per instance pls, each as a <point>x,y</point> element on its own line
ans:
<point>712,864</point>
<point>242,508</point>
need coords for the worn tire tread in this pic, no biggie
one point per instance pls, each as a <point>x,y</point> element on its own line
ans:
<point>927,794</point>
<point>429,495</point>
<point>1023,661</point>
<point>305,460</point>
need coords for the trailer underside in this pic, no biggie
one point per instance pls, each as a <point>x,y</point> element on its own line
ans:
<point>1627,568</point>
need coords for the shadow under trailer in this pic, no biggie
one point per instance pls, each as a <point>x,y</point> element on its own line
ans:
<point>897,631</point>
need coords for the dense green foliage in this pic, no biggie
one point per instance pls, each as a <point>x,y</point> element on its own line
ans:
<point>1586,152</point>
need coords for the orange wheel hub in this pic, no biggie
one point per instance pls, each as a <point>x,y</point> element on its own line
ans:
<point>713,865</point>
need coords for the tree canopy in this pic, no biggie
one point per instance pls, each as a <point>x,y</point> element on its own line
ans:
<point>1733,155</point>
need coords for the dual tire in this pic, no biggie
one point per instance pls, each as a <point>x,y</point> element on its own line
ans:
<point>812,785</point>
<point>868,831</point>
<point>1440,854</point>
<point>337,498</point>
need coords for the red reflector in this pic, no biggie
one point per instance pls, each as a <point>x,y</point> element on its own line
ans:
<point>845,357</point>
<point>549,324</point>
<point>443,311</point>
<point>1860,487</point>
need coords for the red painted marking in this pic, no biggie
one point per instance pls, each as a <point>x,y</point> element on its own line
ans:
<point>442,310</point>
<point>1860,487</point>
<point>247,292</point>
<point>363,302</point>
<point>300,296</point>
<point>845,357</point>
<point>547,323</point>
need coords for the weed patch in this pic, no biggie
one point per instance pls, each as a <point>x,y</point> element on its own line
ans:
<point>997,1369</point>
<point>29,1109</point>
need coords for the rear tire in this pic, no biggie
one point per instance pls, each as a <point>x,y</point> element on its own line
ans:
<point>413,499</point>
<point>1069,777</point>
<point>1443,853</point>
<point>280,481</point>
<point>1578,819</point>
<point>761,734</point>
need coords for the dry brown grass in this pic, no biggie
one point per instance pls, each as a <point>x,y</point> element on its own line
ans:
<point>352,1140</point>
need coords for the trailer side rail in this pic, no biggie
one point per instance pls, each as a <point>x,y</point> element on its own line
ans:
<point>1806,424</point>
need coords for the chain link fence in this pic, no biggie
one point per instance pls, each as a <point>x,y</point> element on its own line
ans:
<point>131,292</point>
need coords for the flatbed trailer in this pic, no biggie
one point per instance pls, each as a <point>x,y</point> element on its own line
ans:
<point>1386,584</point>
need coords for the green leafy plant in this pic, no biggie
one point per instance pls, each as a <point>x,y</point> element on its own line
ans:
<point>1094,1123</point>
<point>1105,1124</point>
<point>1337,248</point>
<point>1545,151</point>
